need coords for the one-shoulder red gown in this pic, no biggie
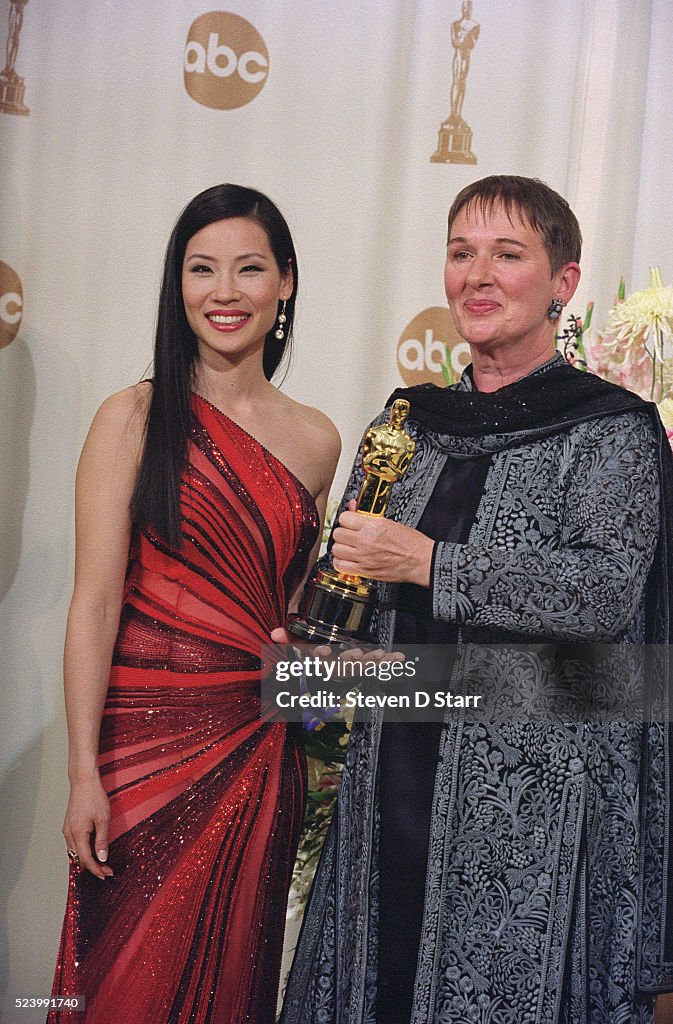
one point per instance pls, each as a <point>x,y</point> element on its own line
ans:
<point>206,796</point>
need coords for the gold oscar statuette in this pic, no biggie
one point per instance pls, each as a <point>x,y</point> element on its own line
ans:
<point>337,606</point>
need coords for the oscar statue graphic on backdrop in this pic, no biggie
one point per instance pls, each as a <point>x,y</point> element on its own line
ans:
<point>337,606</point>
<point>12,88</point>
<point>455,135</point>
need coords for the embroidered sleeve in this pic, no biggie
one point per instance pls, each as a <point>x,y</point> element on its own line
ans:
<point>583,582</point>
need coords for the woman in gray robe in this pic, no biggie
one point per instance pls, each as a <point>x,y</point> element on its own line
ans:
<point>511,868</point>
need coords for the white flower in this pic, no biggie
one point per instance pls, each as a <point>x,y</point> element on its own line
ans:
<point>651,310</point>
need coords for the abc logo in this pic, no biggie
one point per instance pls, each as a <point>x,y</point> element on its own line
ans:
<point>11,304</point>
<point>427,342</point>
<point>226,61</point>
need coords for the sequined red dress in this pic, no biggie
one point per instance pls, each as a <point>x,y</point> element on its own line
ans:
<point>206,797</point>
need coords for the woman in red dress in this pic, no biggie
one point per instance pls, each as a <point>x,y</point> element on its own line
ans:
<point>199,500</point>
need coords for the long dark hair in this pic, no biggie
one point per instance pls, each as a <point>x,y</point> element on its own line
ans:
<point>156,497</point>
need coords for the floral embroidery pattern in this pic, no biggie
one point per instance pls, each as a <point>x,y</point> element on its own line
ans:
<point>533,864</point>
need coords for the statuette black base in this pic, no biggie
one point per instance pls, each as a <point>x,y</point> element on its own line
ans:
<point>335,608</point>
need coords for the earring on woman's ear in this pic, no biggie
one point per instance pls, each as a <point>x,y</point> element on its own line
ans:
<point>555,309</point>
<point>282,319</point>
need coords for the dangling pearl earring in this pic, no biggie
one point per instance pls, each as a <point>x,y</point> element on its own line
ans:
<point>555,309</point>
<point>282,319</point>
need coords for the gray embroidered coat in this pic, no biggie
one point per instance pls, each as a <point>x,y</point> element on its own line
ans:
<point>544,883</point>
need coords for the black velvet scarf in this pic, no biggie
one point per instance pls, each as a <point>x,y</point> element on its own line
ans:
<point>558,397</point>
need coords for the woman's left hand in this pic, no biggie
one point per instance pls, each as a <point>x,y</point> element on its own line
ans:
<point>381,549</point>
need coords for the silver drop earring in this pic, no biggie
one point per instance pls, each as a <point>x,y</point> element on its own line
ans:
<point>555,309</point>
<point>282,320</point>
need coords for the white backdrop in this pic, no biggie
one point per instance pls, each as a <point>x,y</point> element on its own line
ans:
<point>340,134</point>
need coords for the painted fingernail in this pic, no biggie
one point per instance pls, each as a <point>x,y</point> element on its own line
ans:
<point>101,854</point>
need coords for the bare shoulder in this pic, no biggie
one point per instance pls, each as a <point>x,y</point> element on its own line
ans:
<point>310,443</point>
<point>118,426</point>
<point>127,407</point>
<point>325,430</point>
<point>325,435</point>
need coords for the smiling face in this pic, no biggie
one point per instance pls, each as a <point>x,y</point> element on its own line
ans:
<point>499,286</point>
<point>231,286</point>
